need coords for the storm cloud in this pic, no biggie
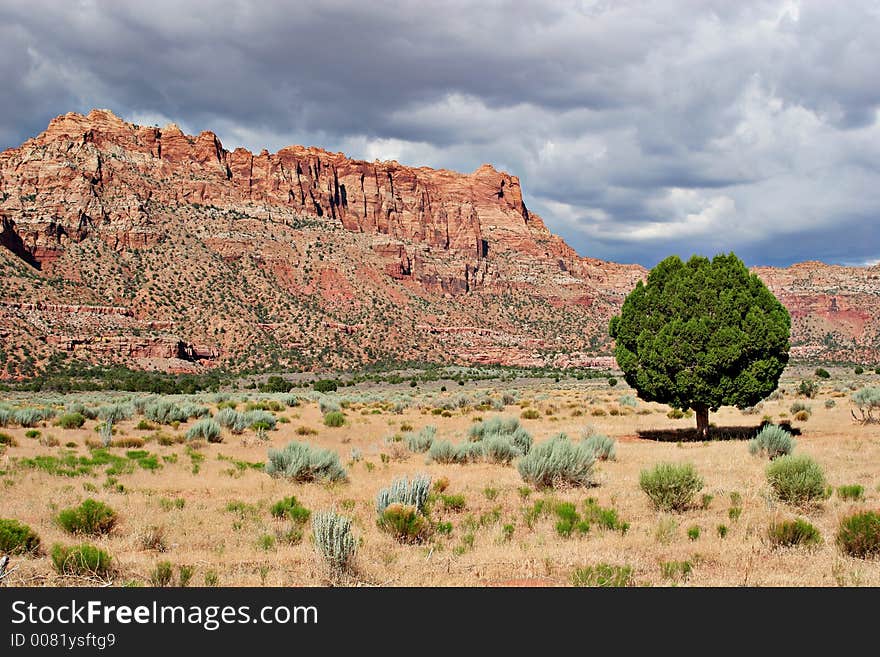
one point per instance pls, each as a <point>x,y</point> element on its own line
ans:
<point>638,129</point>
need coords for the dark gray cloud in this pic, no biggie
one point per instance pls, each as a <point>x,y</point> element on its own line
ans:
<point>638,129</point>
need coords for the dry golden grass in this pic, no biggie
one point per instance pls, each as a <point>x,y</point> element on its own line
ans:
<point>204,534</point>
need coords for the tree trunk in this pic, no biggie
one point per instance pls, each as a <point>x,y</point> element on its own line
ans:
<point>702,412</point>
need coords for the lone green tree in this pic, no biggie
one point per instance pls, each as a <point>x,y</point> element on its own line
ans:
<point>702,335</point>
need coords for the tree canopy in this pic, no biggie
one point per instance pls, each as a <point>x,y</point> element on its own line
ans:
<point>702,335</point>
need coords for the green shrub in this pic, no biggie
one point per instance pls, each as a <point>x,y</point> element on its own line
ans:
<point>604,575</point>
<point>164,411</point>
<point>499,449</point>
<point>796,479</point>
<point>859,534</point>
<point>808,388</point>
<point>670,486</point>
<point>453,502</point>
<point>676,570</point>
<point>29,417</point>
<point>334,541</point>
<point>231,419</point>
<point>302,462</point>
<point>442,451</point>
<point>404,522</point>
<point>867,400</point>
<point>326,385</point>
<point>859,370</point>
<point>851,492</point>
<point>115,413</point>
<point>17,538</point>
<point>530,414</point>
<point>603,447</point>
<point>71,421</point>
<point>163,574</point>
<point>558,462</point>
<point>258,419</point>
<point>793,533</point>
<point>91,517</point>
<point>822,373</point>
<point>722,530</point>
<point>420,442</point>
<point>206,429</point>
<point>6,439</point>
<point>334,419</point>
<point>773,441</point>
<point>507,428</point>
<point>83,559</point>
<point>604,518</point>
<point>409,493</point>
<point>290,508</point>
<point>694,532</point>
<point>612,382</point>
<point>569,520</point>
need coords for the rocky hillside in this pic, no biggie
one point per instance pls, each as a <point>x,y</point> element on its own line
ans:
<point>150,247</point>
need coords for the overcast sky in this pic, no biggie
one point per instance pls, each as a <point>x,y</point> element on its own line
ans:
<point>637,129</point>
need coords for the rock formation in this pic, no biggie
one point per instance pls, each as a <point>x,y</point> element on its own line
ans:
<point>147,246</point>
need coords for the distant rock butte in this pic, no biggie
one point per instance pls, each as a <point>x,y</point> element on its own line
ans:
<point>146,246</point>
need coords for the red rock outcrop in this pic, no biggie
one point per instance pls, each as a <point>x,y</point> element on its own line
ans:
<point>135,243</point>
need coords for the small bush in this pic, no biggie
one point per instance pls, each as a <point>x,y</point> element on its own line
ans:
<point>404,522</point>
<point>326,385</point>
<point>612,382</point>
<point>163,574</point>
<point>29,417</point>
<point>302,462</point>
<point>206,429</point>
<point>822,373</point>
<point>421,442</point>
<point>442,451</point>
<point>603,447</point>
<point>808,388</point>
<point>84,560</point>
<point>258,419</point>
<point>17,538</point>
<point>830,403</point>
<point>530,414</point>
<point>453,502</point>
<point>851,492</point>
<point>499,449</point>
<point>290,508</point>
<point>793,533</point>
<point>6,439</point>
<point>604,575</point>
<point>91,517</point>
<point>796,479</point>
<point>859,370</point>
<point>153,538</point>
<point>669,486</point>
<point>676,570</point>
<point>694,532</point>
<point>603,518</point>
<point>71,421</point>
<point>859,534</point>
<point>402,491</point>
<point>334,541</point>
<point>334,419</point>
<point>772,441</point>
<point>558,462</point>
<point>231,419</point>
